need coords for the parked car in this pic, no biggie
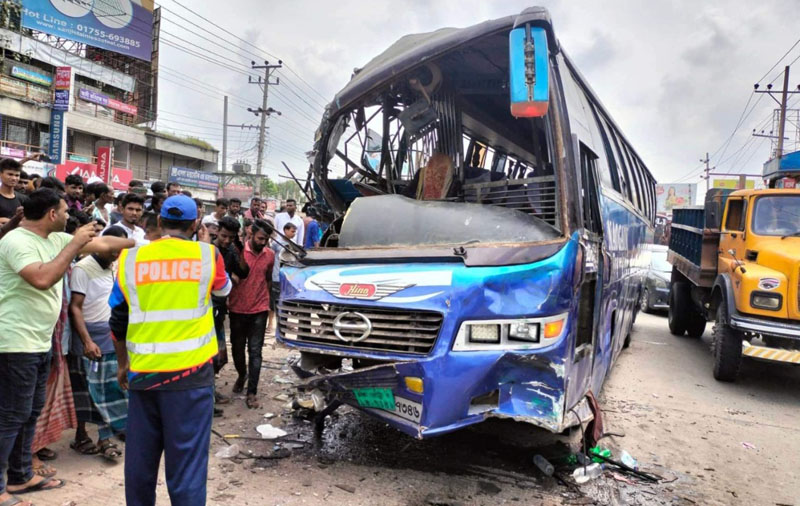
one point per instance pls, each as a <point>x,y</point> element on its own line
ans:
<point>655,294</point>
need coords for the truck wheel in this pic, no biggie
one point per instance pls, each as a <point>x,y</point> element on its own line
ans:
<point>679,307</point>
<point>695,324</point>
<point>727,347</point>
<point>644,302</point>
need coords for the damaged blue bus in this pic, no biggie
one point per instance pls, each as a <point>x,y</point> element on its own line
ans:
<point>483,258</point>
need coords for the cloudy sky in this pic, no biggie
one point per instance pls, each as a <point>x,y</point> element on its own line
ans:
<point>675,75</point>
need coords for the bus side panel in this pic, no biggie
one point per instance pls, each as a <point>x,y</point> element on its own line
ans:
<point>624,236</point>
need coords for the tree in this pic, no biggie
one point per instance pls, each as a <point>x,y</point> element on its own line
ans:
<point>268,188</point>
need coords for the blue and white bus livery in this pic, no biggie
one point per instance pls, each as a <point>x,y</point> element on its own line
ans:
<point>483,260</point>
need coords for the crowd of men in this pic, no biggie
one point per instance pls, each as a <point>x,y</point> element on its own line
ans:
<point>70,322</point>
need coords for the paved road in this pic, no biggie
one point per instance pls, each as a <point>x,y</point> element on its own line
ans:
<point>677,420</point>
<point>664,397</point>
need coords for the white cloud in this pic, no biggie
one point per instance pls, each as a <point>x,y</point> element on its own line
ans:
<point>674,75</point>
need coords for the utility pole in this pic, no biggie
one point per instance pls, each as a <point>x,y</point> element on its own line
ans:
<point>707,177</point>
<point>263,111</point>
<point>782,123</point>
<point>781,112</point>
<point>224,134</point>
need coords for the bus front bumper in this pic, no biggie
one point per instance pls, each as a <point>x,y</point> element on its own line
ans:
<point>435,396</point>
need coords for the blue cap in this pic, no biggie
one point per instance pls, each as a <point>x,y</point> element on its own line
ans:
<point>179,208</point>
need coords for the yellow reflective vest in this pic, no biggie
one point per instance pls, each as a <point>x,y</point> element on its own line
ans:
<point>167,285</point>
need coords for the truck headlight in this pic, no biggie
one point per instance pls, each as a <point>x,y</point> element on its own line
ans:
<point>518,333</point>
<point>660,283</point>
<point>766,300</point>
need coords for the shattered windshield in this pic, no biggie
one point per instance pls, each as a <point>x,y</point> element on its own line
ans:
<point>443,132</point>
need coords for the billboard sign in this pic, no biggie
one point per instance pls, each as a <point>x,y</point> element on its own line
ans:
<point>63,87</point>
<point>120,178</point>
<point>58,136</point>
<point>122,26</point>
<point>98,98</point>
<point>669,196</point>
<point>30,75</point>
<point>732,184</point>
<point>194,178</point>
<point>104,156</point>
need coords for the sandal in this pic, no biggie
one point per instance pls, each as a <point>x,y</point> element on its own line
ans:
<point>14,501</point>
<point>44,471</point>
<point>85,446</point>
<point>46,454</point>
<point>109,449</point>
<point>41,486</point>
<point>251,402</point>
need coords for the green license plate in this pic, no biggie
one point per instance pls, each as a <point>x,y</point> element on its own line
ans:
<point>381,398</point>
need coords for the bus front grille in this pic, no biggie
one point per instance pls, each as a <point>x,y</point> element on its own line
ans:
<point>390,330</point>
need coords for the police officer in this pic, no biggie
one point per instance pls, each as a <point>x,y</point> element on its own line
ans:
<point>163,327</point>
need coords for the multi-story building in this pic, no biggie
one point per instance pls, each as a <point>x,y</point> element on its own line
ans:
<point>113,102</point>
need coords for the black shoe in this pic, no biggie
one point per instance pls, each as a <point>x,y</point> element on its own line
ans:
<point>218,412</point>
<point>238,387</point>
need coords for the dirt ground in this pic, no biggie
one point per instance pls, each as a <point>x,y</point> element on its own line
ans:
<point>712,443</point>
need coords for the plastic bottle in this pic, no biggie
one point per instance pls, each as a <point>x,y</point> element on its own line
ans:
<point>627,459</point>
<point>588,473</point>
<point>544,465</point>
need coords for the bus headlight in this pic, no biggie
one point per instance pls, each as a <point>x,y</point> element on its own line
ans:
<point>484,333</point>
<point>510,334</point>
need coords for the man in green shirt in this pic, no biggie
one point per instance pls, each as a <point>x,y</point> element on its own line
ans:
<point>33,260</point>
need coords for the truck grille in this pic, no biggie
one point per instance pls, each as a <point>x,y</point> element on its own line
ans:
<point>393,330</point>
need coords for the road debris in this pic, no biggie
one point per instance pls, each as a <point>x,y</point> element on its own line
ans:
<point>584,474</point>
<point>346,488</point>
<point>228,452</point>
<point>543,465</point>
<point>749,446</point>
<point>267,431</point>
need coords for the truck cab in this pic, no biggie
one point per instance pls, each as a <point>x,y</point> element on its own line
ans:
<point>736,262</point>
<point>759,250</point>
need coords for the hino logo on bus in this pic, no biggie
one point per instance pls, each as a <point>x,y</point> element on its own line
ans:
<point>357,290</point>
<point>768,283</point>
<point>352,323</point>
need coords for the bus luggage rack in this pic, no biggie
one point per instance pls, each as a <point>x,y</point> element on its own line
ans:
<point>535,195</point>
<point>393,330</point>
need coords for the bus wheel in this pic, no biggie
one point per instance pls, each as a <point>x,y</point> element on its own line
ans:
<point>679,307</point>
<point>695,324</point>
<point>727,347</point>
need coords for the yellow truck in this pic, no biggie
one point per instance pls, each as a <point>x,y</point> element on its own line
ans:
<point>736,262</point>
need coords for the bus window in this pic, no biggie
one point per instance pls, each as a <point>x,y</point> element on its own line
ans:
<point>610,178</point>
<point>589,197</point>
<point>624,175</point>
<point>636,187</point>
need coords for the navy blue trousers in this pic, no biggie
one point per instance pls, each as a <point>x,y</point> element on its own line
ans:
<point>177,423</point>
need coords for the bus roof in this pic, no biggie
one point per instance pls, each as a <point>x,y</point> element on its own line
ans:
<point>415,49</point>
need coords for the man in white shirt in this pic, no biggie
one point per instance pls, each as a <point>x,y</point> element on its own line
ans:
<point>290,216</point>
<point>212,220</point>
<point>132,207</point>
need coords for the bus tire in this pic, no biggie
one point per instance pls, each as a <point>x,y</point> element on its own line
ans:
<point>727,347</point>
<point>695,324</point>
<point>679,307</point>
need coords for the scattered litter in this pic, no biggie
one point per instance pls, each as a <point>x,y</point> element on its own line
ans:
<point>621,478</point>
<point>228,452</point>
<point>346,488</point>
<point>655,396</point>
<point>544,465</point>
<point>267,431</point>
<point>584,474</point>
<point>269,415</point>
<point>599,454</point>
<point>281,397</point>
<point>653,342</point>
<point>318,398</point>
<point>749,446</point>
<point>627,459</point>
<point>282,380</point>
<point>304,403</point>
